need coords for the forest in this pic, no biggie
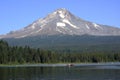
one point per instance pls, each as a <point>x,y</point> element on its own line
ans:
<point>26,55</point>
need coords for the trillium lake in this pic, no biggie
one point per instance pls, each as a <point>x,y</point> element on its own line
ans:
<point>109,71</point>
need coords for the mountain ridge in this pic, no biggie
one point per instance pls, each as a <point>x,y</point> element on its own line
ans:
<point>63,22</point>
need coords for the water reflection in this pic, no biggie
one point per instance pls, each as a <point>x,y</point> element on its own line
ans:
<point>59,73</point>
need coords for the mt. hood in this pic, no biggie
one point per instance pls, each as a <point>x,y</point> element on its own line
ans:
<point>62,22</point>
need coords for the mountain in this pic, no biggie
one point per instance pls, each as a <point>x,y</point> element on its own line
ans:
<point>62,22</point>
<point>63,32</point>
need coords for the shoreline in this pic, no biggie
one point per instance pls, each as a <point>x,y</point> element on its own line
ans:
<point>62,64</point>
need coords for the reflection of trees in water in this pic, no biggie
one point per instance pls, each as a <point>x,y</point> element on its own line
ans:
<point>4,73</point>
<point>58,73</point>
<point>38,72</point>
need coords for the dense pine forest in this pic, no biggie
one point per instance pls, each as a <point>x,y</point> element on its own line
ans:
<point>23,55</point>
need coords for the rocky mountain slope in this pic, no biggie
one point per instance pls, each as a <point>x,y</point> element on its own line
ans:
<point>62,22</point>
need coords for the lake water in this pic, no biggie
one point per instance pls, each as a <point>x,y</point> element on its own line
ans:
<point>77,72</point>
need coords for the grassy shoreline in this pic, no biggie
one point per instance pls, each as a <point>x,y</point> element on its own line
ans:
<point>60,64</point>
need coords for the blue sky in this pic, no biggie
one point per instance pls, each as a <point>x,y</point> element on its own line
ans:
<point>16,14</point>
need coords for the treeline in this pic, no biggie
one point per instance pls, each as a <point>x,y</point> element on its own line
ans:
<point>21,55</point>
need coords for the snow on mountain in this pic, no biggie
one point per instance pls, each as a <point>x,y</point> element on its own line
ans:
<point>87,26</point>
<point>61,21</point>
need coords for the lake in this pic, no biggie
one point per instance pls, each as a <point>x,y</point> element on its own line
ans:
<point>61,72</point>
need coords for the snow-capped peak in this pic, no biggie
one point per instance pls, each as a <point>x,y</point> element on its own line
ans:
<point>62,12</point>
<point>61,21</point>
